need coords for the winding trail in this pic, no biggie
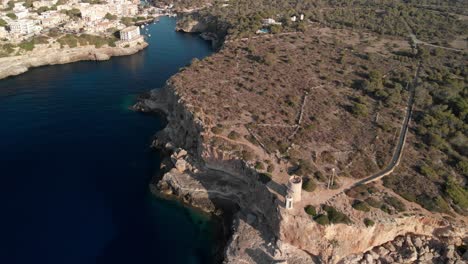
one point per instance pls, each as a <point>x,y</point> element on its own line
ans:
<point>398,152</point>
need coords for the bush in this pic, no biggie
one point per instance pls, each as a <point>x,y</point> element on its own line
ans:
<point>3,23</point>
<point>373,202</point>
<point>234,135</point>
<point>217,130</point>
<point>68,40</point>
<point>395,203</point>
<point>259,165</point>
<point>319,176</point>
<point>458,194</point>
<point>127,21</point>
<point>110,16</point>
<point>322,219</point>
<point>308,185</point>
<point>336,216</point>
<point>12,16</point>
<point>310,210</point>
<point>359,109</point>
<point>361,206</point>
<point>27,45</point>
<point>270,168</point>
<point>264,177</point>
<point>368,222</point>
<point>247,155</point>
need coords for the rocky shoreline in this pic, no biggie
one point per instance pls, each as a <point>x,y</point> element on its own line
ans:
<point>15,65</point>
<point>262,230</point>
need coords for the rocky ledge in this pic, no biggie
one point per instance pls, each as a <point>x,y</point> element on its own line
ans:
<point>262,231</point>
<point>411,249</point>
<point>15,65</point>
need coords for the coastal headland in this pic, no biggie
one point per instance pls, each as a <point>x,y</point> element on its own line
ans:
<point>326,104</point>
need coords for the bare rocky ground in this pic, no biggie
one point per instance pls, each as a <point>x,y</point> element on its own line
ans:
<point>411,249</point>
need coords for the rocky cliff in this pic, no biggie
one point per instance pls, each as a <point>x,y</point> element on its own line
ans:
<point>262,230</point>
<point>15,65</point>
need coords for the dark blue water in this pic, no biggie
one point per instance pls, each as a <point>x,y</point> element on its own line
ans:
<point>75,163</point>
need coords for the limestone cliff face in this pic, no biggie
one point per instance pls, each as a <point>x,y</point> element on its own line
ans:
<point>15,65</point>
<point>263,231</point>
<point>334,242</point>
<point>191,26</point>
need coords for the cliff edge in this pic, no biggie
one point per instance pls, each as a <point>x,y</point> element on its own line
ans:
<point>15,65</point>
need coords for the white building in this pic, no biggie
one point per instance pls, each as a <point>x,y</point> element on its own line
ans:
<point>301,17</point>
<point>293,18</point>
<point>97,12</point>
<point>270,21</point>
<point>23,27</point>
<point>46,3</point>
<point>3,33</point>
<point>20,11</point>
<point>130,33</point>
<point>52,18</point>
<point>4,3</point>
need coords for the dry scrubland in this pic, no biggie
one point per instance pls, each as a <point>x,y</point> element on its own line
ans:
<point>306,102</point>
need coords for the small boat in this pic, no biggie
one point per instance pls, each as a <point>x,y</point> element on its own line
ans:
<point>142,26</point>
<point>149,35</point>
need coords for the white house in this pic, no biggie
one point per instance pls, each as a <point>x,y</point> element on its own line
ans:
<point>23,27</point>
<point>270,21</point>
<point>293,18</point>
<point>129,33</point>
<point>20,11</point>
<point>3,33</point>
<point>46,3</point>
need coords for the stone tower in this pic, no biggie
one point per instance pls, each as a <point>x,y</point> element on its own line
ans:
<point>295,187</point>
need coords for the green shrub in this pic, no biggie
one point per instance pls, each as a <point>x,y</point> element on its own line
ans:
<point>373,202</point>
<point>361,206</point>
<point>368,222</point>
<point>3,23</point>
<point>247,155</point>
<point>319,176</point>
<point>359,109</point>
<point>264,177</point>
<point>308,185</point>
<point>12,16</point>
<point>310,210</point>
<point>217,130</point>
<point>336,216</point>
<point>270,168</point>
<point>234,135</point>
<point>259,165</point>
<point>322,219</point>
<point>127,21</point>
<point>110,16</point>
<point>395,203</point>
<point>27,45</point>
<point>458,194</point>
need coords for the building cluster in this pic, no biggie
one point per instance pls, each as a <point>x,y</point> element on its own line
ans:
<point>21,20</point>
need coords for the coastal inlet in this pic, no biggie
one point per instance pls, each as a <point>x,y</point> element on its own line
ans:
<point>76,163</point>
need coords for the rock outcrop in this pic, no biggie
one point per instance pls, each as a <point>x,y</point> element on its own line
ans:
<point>411,249</point>
<point>15,65</point>
<point>262,230</point>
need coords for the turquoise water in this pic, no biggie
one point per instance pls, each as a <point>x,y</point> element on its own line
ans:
<point>75,163</point>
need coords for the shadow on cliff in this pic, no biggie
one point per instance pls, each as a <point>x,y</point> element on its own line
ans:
<point>238,190</point>
<point>247,204</point>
